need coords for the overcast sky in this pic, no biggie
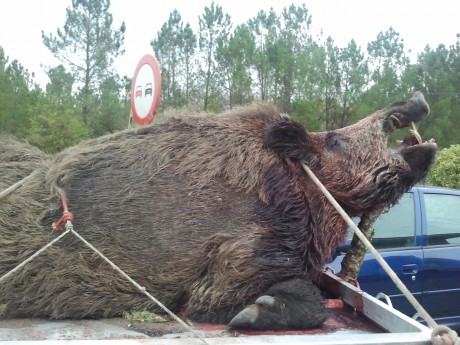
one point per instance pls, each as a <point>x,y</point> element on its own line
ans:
<point>418,22</point>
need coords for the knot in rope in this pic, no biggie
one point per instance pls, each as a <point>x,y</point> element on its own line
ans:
<point>66,216</point>
<point>443,335</point>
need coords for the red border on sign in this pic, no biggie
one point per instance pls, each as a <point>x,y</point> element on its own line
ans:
<point>153,63</point>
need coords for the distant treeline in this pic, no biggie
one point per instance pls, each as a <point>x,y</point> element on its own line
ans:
<point>273,57</point>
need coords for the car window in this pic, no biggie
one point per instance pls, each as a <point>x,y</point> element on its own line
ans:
<point>442,218</point>
<point>396,228</point>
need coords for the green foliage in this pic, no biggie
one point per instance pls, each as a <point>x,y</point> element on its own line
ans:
<point>7,105</point>
<point>18,95</point>
<point>439,78</point>
<point>389,62</point>
<point>87,42</point>
<point>214,29</point>
<point>173,46</point>
<point>84,100</point>
<point>88,45</point>
<point>110,115</point>
<point>233,56</point>
<point>55,123</point>
<point>53,130</point>
<point>263,27</point>
<point>344,83</point>
<point>61,85</point>
<point>446,172</point>
<point>306,112</point>
<point>272,57</point>
<point>142,316</point>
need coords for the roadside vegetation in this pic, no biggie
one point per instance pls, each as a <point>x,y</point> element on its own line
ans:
<point>272,57</point>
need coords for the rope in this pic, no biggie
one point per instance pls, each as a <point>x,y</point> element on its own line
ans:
<point>33,256</point>
<point>66,219</point>
<point>370,247</point>
<point>66,215</point>
<point>423,313</point>
<point>69,227</point>
<point>443,335</point>
<point>15,186</point>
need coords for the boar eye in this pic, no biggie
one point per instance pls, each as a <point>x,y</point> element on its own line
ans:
<point>334,141</point>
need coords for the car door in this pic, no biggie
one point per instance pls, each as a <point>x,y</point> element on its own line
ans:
<point>441,225</point>
<point>395,239</point>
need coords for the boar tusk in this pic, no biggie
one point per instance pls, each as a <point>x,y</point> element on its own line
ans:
<point>415,133</point>
<point>396,121</point>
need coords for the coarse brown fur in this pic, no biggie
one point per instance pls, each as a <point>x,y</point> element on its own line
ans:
<point>206,212</point>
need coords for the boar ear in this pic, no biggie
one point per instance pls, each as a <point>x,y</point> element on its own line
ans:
<point>289,139</point>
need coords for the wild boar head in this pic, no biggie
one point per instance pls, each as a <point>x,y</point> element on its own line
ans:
<point>355,163</point>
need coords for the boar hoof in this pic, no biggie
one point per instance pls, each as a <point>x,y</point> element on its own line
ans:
<point>293,304</point>
<point>246,318</point>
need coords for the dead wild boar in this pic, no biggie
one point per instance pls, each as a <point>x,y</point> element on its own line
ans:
<point>211,214</point>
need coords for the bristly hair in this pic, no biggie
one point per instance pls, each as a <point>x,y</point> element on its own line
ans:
<point>289,139</point>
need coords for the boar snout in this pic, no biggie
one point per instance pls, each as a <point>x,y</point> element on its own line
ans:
<point>400,114</point>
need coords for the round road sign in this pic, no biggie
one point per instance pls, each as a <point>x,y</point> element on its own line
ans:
<point>145,90</point>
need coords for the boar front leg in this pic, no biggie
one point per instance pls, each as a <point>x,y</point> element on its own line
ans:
<point>248,288</point>
<point>292,304</point>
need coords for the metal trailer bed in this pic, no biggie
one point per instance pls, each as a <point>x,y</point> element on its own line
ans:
<point>355,317</point>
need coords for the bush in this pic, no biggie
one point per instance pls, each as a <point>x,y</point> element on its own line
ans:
<point>446,171</point>
<point>54,131</point>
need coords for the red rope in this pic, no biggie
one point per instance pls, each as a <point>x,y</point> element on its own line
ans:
<point>66,216</point>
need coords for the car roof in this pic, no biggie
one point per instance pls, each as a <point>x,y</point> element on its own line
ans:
<point>435,189</point>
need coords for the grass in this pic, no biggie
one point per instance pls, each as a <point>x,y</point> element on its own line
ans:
<point>142,316</point>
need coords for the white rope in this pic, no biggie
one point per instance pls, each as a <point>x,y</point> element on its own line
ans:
<point>441,335</point>
<point>438,331</point>
<point>423,313</point>
<point>15,186</point>
<point>33,256</point>
<point>69,227</point>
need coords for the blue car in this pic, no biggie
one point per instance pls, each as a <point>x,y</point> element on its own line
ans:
<point>420,240</point>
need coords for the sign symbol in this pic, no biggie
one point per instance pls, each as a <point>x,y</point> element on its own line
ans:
<point>148,89</point>
<point>139,91</point>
